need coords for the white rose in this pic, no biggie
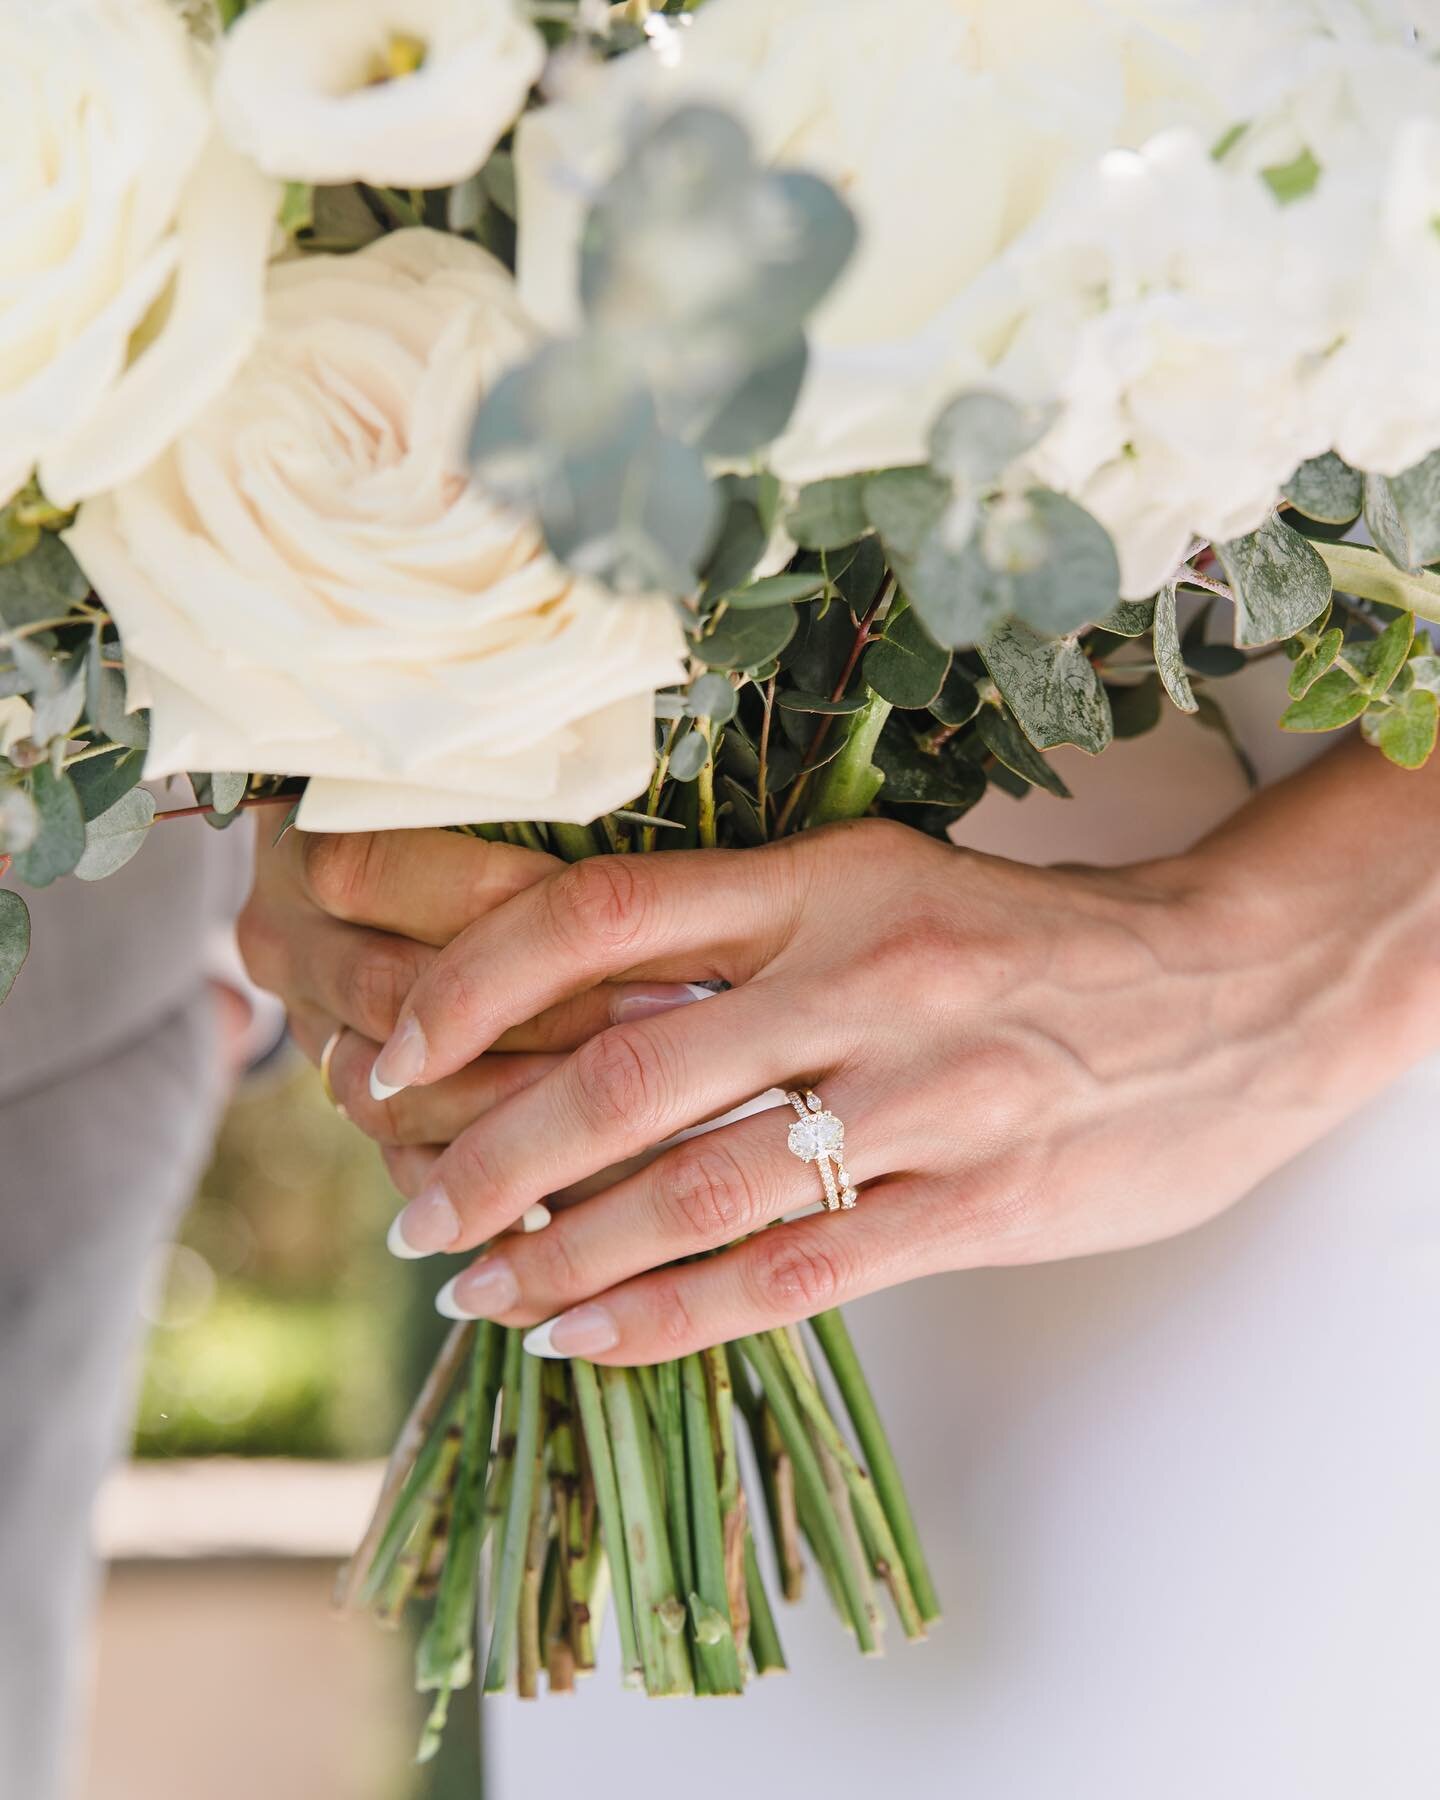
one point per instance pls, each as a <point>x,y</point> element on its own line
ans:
<point>946,124</point>
<point>133,242</point>
<point>310,583</point>
<point>16,721</point>
<point>404,93</point>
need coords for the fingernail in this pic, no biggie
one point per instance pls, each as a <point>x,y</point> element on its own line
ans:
<point>479,1292</point>
<point>400,1062</point>
<point>583,1331</point>
<point>644,1003</point>
<point>535,1218</point>
<point>429,1223</point>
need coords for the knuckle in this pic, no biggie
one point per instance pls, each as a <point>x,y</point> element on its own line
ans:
<point>259,944</point>
<point>453,990</point>
<point>551,1271</point>
<point>601,903</point>
<point>710,1194</point>
<point>674,1324</point>
<point>621,1078</point>
<point>338,870</point>
<point>379,978</point>
<point>796,1276</point>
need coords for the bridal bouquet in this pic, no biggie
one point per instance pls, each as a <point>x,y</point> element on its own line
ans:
<point>610,428</point>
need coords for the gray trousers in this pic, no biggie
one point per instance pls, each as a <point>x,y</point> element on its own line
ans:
<point>110,1087</point>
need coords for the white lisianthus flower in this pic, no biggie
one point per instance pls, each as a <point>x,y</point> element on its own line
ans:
<point>309,582</point>
<point>132,242</point>
<point>947,125</point>
<point>404,93</point>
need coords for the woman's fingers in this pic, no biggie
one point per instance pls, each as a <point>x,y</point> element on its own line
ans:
<point>431,1115</point>
<point>589,923</point>
<point>616,1096</point>
<point>708,1192</point>
<point>409,1165</point>
<point>789,1272</point>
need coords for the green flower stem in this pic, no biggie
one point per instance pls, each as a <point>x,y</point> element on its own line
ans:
<point>429,1530</point>
<point>574,842</point>
<point>777,1476</point>
<point>716,1654</point>
<point>846,787</point>
<point>445,1657</point>
<point>567,1494</point>
<point>514,1543</point>
<point>527,1667</point>
<point>403,1514</point>
<point>659,1612</point>
<point>607,1505</point>
<point>833,1336</point>
<point>408,1447</point>
<point>765,1644</point>
<point>817,1508</point>
<point>502,1464</point>
<point>869,1511</point>
<point>734,1512</point>
<point>670,1429</point>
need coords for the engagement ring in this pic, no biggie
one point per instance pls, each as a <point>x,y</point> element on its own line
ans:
<point>818,1137</point>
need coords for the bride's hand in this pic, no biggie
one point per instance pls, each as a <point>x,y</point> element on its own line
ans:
<point>1029,1064</point>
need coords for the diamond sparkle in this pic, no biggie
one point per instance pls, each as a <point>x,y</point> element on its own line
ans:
<point>820,1135</point>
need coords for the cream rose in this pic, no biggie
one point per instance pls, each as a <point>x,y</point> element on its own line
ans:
<point>132,242</point>
<point>309,582</point>
<point>409,93</point>
<point>946,124</point>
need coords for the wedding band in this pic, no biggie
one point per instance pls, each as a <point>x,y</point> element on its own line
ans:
<point>818,1137</point>
<point>325,1056</point>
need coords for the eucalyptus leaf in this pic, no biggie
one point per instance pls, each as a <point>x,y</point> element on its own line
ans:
<point>862,577</point>
<point>1050,686</point>
<point>113,838</point>
<point>1311,664</point>
<point>101,780</point>
<point>18,537</point>
<point>742,639</point>
<point>754,412</point>
<point>1005,741</point>
<point>1405,730</point>
<point>816,657</point>
<point>105,690</point>
<point>955,592</point>
<point>796,700</point>
<point>739,545</point>
<point>60,842</point>
<point>1130,619</point>
<point>906,667</point>
<point>342,218</point>
<point>1169,658</point>
<point>915,776</point>
<point>1280,583</point>
<point>46,584</point>
<point>227,790</point>
<point>689,757</point>
<point>1332,701</point>
<point>1359,570</point>
<point>829,514</point>
<point>712,697</point>
<point>1384,657</point>
<point>748,827</point>
<point>1063,572</point>
<point>979,434</point>
<point>1403,513</point>
<point>59,706</point>
<point>775,590</point>
<point>958,700</point>
<point>1135,705</point>
<point>905,506</point>
<point>1327,489</point>
<point>14,938</point>
<point>498,176</point>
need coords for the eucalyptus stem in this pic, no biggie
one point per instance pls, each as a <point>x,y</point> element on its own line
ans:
<point>705,787</point>
<point>833,1336</point>
<point>607,1505</point>
<point>514,1543</point>
<point>819,1506</point>
<point>716,1652</point>
<point>659,1612</point>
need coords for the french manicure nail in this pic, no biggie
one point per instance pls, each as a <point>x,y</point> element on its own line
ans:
<point>479,1292</point>
<point>429,1223</point>
<point>645,1003</point>
<point>583,1331</point>
<point>535,1218</point>
<point>400,1062</point>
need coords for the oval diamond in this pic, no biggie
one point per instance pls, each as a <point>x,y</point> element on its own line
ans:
<point>821,1134</point>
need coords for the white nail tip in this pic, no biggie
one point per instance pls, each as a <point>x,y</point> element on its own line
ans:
<point>697,992</point>
<point>445,1301</point>
<point>535,1218</point>
<point>397,1244</point>
<point>537,1340</point>
<point>381,1090</point>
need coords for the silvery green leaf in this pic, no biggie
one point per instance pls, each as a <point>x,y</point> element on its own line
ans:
<point>58,707</point>
<point>1169,658</point>
<point>739,545</point>
<point>498,175</point>
<point>43,585</point>
<point>689,757</point>
<point>1063,572</point>
<point>956,592</point>
<point>1135,705</point>
<point>743,640</point>
<point>797,700</point>
<point>1384,657</point>
<point>906,666</point>
<point>1280,583</point>
<point>1328,489</point>
<point>1130,619</point>
<point>771,590</point>
<point>829,514</point>
<point>754,412</point>
<point>101,780</point>
<point>465,203</point>
<point>744,811</point>
<point>105,690</point>
<point>905,506</point>
<point>1051,687</point>
<point>915,776</point>
<point>1404,729</point>
<point>19,821</point>
<point>60,841</point>
<point>979,434</point>
<point>227,790</point>
<point>1403,513</point>
<point>817,655</point>
<point>712,697</point>
<point>1311,664</point>
<point>1008,744</point>
<point>113,838</point>
<point>1360,570</point>
<point>958,700</point>
<point>14,938</point>
<point>1425,672</point>
<point>1332,701</point>
<point>638,516</point>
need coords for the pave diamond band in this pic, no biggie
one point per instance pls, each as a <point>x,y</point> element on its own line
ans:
<point>818,1137</point>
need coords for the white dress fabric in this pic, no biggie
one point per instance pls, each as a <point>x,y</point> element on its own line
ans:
<point>1182,1502</point>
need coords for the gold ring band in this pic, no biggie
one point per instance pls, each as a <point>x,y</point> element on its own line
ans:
<point>818,1137</point>
<point>325,1058</point>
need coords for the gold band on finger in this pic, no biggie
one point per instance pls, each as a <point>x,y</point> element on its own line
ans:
<point>818,1137</point>
<point>325,1058</point>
